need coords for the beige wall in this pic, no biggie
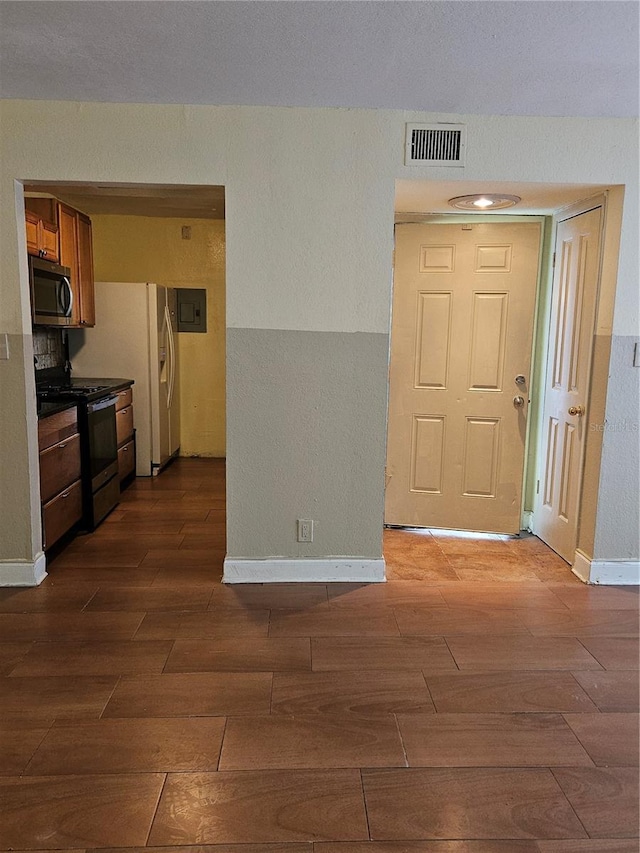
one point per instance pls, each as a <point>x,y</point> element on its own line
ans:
<point>309,203</point>
<point>144,248</point>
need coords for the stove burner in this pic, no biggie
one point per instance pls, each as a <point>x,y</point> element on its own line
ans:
<point>70,391</point>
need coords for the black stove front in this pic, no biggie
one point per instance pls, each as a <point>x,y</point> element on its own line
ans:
<point>98,444</point>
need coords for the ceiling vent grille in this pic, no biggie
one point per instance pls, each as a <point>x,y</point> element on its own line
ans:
<point>435,145</point>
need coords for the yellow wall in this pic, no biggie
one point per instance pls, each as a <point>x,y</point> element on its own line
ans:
<point>141,248</point>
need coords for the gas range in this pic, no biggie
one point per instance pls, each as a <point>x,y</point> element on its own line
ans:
<point>81,389</point>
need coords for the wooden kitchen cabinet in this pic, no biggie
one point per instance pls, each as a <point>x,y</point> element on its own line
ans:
<point>76,252</point>
<point>42,228</point>
<point>125,434</point>
<point>60,485</point>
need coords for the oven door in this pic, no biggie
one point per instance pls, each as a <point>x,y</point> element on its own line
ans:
<point>102,442</point>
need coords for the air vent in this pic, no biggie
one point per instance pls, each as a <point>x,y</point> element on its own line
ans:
<point>435,145</point>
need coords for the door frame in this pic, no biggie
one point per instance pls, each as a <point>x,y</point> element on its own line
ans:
<point>543,290</point>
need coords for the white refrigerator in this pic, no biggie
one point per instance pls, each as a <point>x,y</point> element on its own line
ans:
<point>135,338</point>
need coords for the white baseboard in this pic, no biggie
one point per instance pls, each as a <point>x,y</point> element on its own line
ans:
<point>284,570</point>
<point>606,572</point>
<point>527,520</point>
<point>24,573</point>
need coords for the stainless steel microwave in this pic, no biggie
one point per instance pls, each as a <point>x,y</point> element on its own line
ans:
<point>51,293</point>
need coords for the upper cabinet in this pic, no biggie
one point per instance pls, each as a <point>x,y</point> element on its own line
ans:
<point>62,234</point>
<point>76,253</point>
<point>42,228</point>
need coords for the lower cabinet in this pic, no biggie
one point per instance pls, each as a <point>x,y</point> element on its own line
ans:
<point>60,486</point>
<point>126,437</point>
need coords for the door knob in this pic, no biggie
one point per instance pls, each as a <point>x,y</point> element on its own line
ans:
<point>520,380</point>
<point>518,402</point>
<point>576,410</point>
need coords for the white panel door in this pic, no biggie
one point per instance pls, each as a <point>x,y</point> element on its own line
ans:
<point>571,329</point>
<point>463,308</point>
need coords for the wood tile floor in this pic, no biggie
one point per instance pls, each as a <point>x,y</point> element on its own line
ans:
<point>483,700</point>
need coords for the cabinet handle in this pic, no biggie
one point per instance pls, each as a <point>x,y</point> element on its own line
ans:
<point>124,411</point>
<point>60,446</point>
<point>125,448</point>
<point>64,495</point>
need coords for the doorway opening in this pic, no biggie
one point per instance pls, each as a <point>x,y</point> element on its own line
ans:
<point>449,355</point>
<point>169,238</point>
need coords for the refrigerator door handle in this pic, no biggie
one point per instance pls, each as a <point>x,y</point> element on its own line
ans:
<point>172,356</point>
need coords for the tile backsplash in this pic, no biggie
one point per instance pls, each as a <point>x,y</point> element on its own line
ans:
<point>48,347</point>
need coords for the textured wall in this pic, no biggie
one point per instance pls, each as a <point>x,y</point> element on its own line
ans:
<point>141,248</point>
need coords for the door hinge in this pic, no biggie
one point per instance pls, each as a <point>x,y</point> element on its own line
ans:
<point>553,262</point>
<point>538,487</point>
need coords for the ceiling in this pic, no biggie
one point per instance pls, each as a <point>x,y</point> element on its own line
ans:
<point>573,58</point>
<point>172,200</point>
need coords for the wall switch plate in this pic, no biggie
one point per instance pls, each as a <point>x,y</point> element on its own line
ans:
<point>305,530</point>
<point>4,347</point>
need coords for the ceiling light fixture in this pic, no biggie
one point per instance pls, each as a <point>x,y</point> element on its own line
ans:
<point>484,201</point>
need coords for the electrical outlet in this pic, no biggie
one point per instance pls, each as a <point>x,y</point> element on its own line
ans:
<point>305,530</point>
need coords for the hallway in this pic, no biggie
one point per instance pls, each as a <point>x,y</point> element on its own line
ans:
<point>481,701</point>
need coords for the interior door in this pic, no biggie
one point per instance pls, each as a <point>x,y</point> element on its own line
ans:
<point>463,308</point>
<point>164,376</point>
<point>571,331</point>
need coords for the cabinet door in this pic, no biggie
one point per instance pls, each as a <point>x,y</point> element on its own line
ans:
<point>32,222</point>
<point>67,223</point>
<point>85,265</point>
<point>49,241</point>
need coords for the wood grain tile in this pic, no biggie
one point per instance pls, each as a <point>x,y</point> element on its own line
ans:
<point>203,576</point>
<point>161,513</point>
<point>520,653</point>
<point>45,599</point>
<point>508,693</point>
<point>433,569</point>
<point>283,596</point>
<point>272,742</point>
<point>616,690</point>
<point>11,654</point>
<point>48,698</point>
<point>605,800</point>
<point>85,811</point>
<point>72,626</point>
<point>19,739</point>
<point>202,626</point>
<point>129,746</point>
<point>191,695</point>
<point>581,623</point>
<point>214,848</point>
<point>610,739</point>
<point>430,654</point>
<point>427,847</point>
<point>436,621</point>
<point>614,652</point>
<point>363,694</point>
<point>240,654</point>
<point>266,806</point>
<point>89,658</point>
<point>179,559</point>
<point>214,542</point>
<point>524,595</point>
<point>594,596</point>
<point>100,575</point>
<point>143,525</point>
<point>407,592</point>
<point>599,845</point>
<point>473,803</point>
<point>361,622</point>
<point>122,598</point>
<point>490,740</point>
<point>125,554</point>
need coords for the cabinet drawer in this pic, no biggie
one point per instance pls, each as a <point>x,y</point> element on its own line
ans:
<point>61,513</point>
<point>56,428</point>
<point>59,466</point>
<point>124,424</point>
<point>126,459</point>
<point>125,398</point>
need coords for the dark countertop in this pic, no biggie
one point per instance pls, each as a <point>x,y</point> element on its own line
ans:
<point>110,384</point>
<point>48,407</point>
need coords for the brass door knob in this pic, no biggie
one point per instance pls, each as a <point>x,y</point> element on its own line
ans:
<point>576,410</point>
<point>518,402</point>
